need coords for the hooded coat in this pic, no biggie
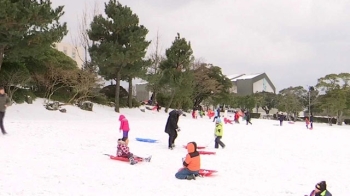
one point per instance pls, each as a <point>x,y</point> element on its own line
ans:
<point>193,160</point>
<point>171,124</point>
<point>124,123</point>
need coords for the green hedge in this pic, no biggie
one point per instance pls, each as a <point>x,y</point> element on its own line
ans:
<point>255,115</point>
<point>20,95</point>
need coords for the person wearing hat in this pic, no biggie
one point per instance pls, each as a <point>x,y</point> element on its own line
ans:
<point>321,190</point>
<point>172,128</point>
<point>4,103</point>
<point>219,131</point>
<point>124,151</point>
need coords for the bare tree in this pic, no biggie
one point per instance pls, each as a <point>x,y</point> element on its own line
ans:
<point>53,79</point>
<point>14,80</point>
<point>154,72</point>
<point>82,39</point>
<point>83,85</point>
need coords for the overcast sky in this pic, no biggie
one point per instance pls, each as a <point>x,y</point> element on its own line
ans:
<point>294,42</point>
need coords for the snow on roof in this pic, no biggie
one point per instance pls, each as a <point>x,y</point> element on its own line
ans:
<point>142,83</point>
<point>233,76</point>
<point>245,77</point>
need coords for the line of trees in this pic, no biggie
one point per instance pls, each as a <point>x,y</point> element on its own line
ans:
<point>329,97</point>
<point>117,46</point>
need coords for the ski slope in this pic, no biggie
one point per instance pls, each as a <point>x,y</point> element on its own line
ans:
<point>53,153</point>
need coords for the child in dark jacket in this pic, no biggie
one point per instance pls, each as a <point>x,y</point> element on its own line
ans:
<point>124,151</point>
<point>192,163</point>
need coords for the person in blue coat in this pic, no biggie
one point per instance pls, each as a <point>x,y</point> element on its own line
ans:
<point>217,114</point>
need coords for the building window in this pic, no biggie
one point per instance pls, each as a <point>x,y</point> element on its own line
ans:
<point>73,54</point>
<point>65,50</point>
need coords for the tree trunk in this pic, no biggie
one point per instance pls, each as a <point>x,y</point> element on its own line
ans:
<point>2,52</point>
<point>339,118</point>
<point>154,98</point>
<point>130,92</point>
<point>170,101</point>
<point>117,92</point>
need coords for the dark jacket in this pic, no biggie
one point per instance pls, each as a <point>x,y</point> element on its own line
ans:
<point>171,124</point>
<point>247,115</point>
<point>4,100</point>
<point>311,118</point>
<point>281,117</point>
<point>219,110</point>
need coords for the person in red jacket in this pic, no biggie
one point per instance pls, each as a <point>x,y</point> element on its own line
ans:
<point>124,151</point>
<point>124,126</point>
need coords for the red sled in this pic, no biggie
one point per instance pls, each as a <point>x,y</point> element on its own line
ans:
<point>124,159</point>
<point>205,172</point>
<point>198,147</point>
<point>206,152</point>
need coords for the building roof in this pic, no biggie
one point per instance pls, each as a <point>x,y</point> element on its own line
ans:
<point>254,77</point>
<point>244,77</point>
<point>233,76</point>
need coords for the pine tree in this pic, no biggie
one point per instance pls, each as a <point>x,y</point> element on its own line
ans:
<point>119,41</point>
<point>28,27</point>
<point>179,56</point>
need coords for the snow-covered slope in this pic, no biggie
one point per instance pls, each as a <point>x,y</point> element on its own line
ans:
<point>53,153</point>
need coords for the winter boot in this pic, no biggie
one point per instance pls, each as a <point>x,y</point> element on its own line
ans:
<point>191,177</point>
<point>132,161</point>
<point>173,145</point>
<point>148,159</point>
<point>170,148</point>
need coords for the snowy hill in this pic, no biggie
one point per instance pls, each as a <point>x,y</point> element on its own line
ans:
<point>53,153</point>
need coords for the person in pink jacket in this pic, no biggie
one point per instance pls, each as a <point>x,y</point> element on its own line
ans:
<point>124,126</point>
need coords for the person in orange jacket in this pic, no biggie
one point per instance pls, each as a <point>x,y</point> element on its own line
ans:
<point>192,163</point>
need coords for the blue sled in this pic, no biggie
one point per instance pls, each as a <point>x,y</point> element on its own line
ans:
<point>146,140</point>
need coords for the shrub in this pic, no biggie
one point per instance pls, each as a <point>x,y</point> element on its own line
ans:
<point>20,95</point>
<point>255,115</point>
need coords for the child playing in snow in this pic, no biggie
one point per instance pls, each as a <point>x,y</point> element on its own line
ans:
<point>321,190</point>
<point>307,121</point>
<point>124,126</point>
<point>124,151</point>
<point>192,163</point>
<point>219,130</point>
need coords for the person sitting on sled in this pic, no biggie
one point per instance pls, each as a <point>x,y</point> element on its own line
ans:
<point>321,190</point>
<point>124,151</point>
<point>192,163</point>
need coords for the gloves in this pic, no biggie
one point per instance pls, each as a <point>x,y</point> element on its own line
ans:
<point>178,129</point>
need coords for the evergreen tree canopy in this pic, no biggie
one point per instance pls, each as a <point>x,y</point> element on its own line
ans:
<point>28,27</point>
<point>118,41</point>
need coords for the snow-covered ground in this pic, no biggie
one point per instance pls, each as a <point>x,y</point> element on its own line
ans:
<point>53,153</point>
